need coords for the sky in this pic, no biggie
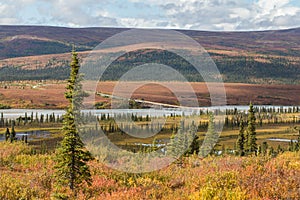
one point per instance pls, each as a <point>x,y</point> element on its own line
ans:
<point>212,15</point>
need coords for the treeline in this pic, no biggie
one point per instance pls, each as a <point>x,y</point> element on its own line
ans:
<point>234,69</point>
<point>247,69</point>
<point>30,120</point>
<point>232,119</point>
<point>17,73</point>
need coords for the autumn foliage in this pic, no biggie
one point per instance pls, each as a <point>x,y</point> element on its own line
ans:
<point>25,175</point>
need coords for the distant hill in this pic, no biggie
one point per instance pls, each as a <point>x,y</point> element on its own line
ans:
<point>17,41</point>
<point>41,52</point>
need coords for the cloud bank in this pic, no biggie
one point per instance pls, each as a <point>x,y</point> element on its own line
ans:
<point>222,15</point>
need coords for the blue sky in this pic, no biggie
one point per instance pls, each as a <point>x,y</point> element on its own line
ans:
<point>214,15</point>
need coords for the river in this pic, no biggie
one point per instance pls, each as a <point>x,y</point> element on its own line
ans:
<point>15,113</point>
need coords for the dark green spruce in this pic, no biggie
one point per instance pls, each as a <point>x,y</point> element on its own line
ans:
<point>210,139</point>
<point>7,134</point>
<point>71,167</point>
<point>251,131</point>
<point>240,143</point>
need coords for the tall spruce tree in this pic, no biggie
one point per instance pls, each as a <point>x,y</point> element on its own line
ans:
<point>183,143</point>
<point>2,120</point>
<point>251,131</point>
<point>13,132</point>
<point>71,167</point>
<point>194,143</point>
<point>176,147</point>
<point>211,137</point>
<point>240,143</point>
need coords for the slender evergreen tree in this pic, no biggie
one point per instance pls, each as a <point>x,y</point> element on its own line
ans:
<point>194,146</point>
<point>172,145</point>
<point>264,148</point>
<point>25,119</point>
<point>211,137</point>
<point>2,120</point>
<point>31,118</point>
<point>184,142</point>
<point>13,132</point>
<point>176,147</point>
<point>71,167</point>
<point>26,139</point>
<point>7,134</point>
<point>240,143</point>
<point>251,131</point>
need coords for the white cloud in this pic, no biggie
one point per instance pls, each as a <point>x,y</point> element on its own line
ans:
<point>229,14</point>
<point>242,13</point>
<point>7,13</point>
<point>185,14</point>
<point>75,13</point>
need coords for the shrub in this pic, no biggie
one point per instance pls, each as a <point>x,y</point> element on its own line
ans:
<point>9,151</point>
<point>220,186</point>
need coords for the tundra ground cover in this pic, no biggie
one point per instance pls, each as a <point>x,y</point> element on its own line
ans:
<point>27,175</point>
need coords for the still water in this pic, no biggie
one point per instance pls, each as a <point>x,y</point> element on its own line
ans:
<point>31,135</point>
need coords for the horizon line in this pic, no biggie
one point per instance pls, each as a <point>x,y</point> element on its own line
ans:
<point>155,28</point>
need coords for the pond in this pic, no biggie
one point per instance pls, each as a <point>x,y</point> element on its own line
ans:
<point>31,135</point>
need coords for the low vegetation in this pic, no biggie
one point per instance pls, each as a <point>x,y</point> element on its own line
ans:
<point>4,106</point>
<point>25,175</point>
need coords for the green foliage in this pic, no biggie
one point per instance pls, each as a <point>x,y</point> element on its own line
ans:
<point>7,134</point>
<point>248,70</point>
<point>71,157</point>
<point>21,48</point>
<point>234,69</point>
<point>210,139</point>
<point>184,142</point>
<point>4,106</point>
<point>195,144</point>
<point>13,133</point>
<point>176,145</point>
<point>251,131</point>
<point>10,73</point>
<point>240,143</point>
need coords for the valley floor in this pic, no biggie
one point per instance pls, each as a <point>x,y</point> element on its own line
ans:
<point>50,94</point>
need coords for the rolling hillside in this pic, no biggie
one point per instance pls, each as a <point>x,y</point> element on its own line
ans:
<point>34,52</point>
